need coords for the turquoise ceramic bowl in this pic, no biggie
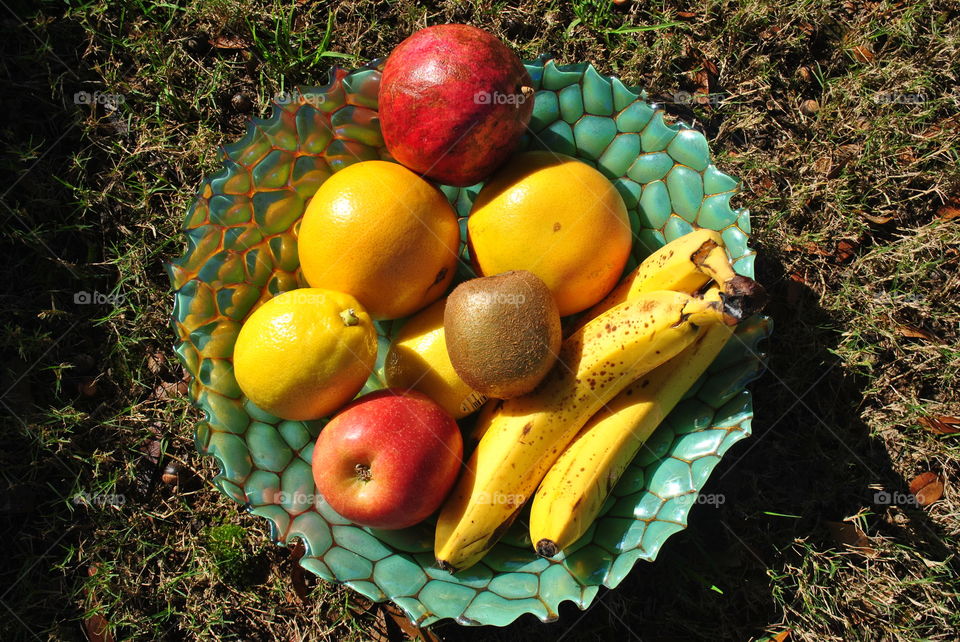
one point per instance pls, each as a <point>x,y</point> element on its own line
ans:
<point>241,234</point>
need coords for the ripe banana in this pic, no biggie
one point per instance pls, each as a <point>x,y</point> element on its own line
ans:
<point>686,264</point>
<point>577,485</point>
<point>418,360</point>
<point>524,436</point>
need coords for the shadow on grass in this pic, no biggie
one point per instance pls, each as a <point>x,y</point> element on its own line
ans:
<point>810,460</point>
<point>57,400</point>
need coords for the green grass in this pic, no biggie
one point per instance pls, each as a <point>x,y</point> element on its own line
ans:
<point>93,198</point>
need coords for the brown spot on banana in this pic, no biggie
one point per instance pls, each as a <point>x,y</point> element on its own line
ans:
<point>499,531</point>
<point>700,255</point>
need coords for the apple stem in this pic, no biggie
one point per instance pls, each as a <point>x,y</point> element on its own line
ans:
<point>349,317</point>
<point>363,472</point>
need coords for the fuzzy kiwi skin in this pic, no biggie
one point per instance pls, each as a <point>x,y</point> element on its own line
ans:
<point>502,333</point>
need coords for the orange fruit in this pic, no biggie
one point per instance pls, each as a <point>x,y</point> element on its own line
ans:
<point>304,353</point>
<point>557,217</point>
<point>379,232</point>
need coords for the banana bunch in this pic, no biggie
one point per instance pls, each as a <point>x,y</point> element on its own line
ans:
<point>688,264</point>
<point>658,328</point>
<point>575,488</point>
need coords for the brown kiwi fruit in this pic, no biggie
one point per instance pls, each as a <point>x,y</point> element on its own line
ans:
<point>502,333</point>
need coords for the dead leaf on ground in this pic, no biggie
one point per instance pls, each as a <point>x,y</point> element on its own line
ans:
<point>153,448</point>
<point>850,534</point>
<point>877,220</point>
<point>825,165</point>
<point>845,250</point>
<point>863,53</point>
<point>764,183</point>
<point>951,123</point>
<point>709,66</point>
<point>297,574</point>
<point>701,94</point>
<point>940,424</point>
<point>229,41</point>
<point>913,332</point>
<point>848,151</point>
<point>156,362</point>
<point>767,34</point>
<point>97,629</point>
<point>686,15</point>
<point>950,210</point>
<point>809,107</point>
<point>706,79</point>
<point>907,157</point>
<point>808,248</point>
<point>781,636</point>
<point>171,389</point>
<point>397,622</point>
<point>927,487</point>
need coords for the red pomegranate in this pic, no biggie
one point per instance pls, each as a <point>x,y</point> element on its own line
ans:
<point>454,102</point>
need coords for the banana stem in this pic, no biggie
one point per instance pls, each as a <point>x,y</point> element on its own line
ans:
<point>742,298</point>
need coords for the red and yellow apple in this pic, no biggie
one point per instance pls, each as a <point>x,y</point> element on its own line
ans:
<point>388,459</point>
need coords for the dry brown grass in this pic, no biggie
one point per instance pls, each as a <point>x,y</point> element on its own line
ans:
<point>845,204</point>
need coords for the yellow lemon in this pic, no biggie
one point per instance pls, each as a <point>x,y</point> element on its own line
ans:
<point>418,360</point>
<point>380,232</point>
<point>304,353</point>
<point>557,217</point>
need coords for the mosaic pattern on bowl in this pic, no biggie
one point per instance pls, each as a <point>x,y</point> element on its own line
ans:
<point>241,233</point>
